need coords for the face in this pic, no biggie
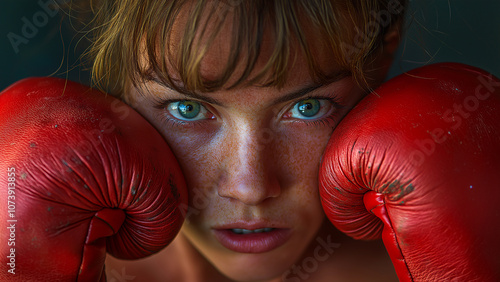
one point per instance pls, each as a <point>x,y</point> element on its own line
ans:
<point>250,156</point>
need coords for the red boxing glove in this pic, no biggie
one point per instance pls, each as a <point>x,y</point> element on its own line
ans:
<point>81,173</point>
<point>417,164</point>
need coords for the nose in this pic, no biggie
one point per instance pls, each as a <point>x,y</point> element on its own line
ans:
<point>249,175</point>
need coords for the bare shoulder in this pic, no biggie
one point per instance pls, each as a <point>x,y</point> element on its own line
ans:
<point>159,267</point>
<point>334,256</point>
<point>180,261</point>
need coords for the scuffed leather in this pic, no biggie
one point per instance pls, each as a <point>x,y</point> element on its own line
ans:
<point>409,165</point>
<point>91,176</point>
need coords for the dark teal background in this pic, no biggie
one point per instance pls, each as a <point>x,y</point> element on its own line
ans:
<point>52,50</point>
<point>466,31</point>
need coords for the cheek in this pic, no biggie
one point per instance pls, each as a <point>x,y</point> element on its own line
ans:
<point>300,165</point>
<point>199,161</point>
<point>189,146</point>
<point>198,153</point>
<point>301,150</point>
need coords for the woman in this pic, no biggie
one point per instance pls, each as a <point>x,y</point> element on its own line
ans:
<point>247,94</point>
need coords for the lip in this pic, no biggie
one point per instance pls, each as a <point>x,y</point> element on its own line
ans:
<point>254,242</point>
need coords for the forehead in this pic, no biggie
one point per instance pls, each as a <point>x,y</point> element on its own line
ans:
<point>215,50</point>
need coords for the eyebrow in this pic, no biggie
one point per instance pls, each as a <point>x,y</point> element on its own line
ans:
<point>186,92</point>
<point>310,88</point>
<point>290,96</point>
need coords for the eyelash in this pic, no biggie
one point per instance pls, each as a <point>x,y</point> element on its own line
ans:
<point>162,104</point>
<point>328,120</point>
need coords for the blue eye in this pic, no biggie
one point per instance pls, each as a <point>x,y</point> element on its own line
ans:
<point>310,109</point>
<point>187,110</point>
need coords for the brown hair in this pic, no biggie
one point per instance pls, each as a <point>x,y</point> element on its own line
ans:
<point>123,30</point>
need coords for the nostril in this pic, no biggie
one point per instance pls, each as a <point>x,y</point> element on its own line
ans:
<point>250,193</point>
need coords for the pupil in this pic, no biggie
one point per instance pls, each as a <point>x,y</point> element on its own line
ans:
<point>188,109</point>
<point>309,107</point>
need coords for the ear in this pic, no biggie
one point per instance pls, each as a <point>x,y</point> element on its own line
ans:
<point>392,38</point>
<point>384,56</point>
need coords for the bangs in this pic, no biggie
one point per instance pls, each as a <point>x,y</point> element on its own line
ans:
<point>137,41</point>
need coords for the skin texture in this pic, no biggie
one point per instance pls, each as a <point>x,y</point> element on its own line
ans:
<point>250,163</point>
<point>252,158</point>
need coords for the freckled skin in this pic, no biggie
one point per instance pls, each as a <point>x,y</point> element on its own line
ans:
<point>246,175</point>
<point>248,162</point>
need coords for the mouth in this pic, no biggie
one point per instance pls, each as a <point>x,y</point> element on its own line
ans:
<point>252,240</point>
<point>247,231</point>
